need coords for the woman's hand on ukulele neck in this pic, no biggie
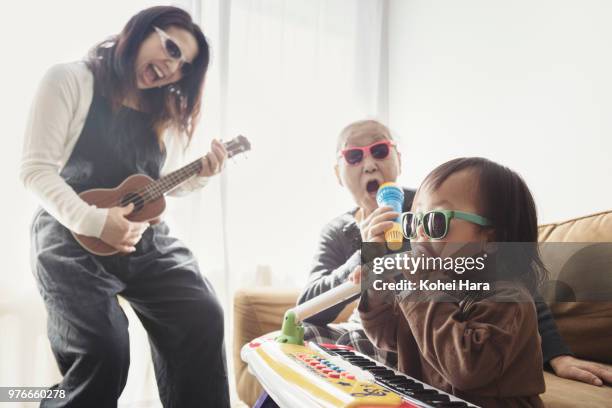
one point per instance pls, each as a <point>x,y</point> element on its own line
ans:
<point>214,161</point>
<point>119,232</point>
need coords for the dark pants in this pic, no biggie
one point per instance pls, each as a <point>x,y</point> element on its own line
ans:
<point>88,330</point>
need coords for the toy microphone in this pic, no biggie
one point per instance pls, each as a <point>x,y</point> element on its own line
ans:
<point>389,194</point>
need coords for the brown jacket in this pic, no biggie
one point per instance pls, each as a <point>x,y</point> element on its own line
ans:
<point>485,351</point>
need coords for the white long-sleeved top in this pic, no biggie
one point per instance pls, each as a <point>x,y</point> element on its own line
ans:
<point>56,119</point>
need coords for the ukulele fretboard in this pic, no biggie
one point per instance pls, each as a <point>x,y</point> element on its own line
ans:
<point>170,181</point>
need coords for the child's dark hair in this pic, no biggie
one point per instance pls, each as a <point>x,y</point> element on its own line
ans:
<point>507,202</point>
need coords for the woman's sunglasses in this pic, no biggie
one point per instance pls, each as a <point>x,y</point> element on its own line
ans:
<point>173,50</point>
<point>436,223</point>
<point>379,151</point>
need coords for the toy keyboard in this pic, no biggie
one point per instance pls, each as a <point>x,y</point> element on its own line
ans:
<point>335,376</point>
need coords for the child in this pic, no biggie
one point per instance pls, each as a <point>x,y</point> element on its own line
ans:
<point>489,352</point>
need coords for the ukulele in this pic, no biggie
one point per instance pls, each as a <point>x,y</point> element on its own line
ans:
<point>146,194</point>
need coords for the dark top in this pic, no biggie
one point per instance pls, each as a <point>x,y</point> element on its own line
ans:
<point>339,252</point>
<point>113,145</point>
<point>498,363</point>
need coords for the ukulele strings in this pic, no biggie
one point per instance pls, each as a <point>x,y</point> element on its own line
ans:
<point>146,194</point>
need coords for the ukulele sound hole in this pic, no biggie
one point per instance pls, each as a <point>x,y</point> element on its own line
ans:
<point>133,198</point>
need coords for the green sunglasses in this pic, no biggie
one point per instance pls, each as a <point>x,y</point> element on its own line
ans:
<point>436,222</point>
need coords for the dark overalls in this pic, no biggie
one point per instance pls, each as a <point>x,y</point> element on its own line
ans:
<point>87,328</point>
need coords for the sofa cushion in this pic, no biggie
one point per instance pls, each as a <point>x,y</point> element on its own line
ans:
<point>580,283</point>
<point>591,228</point>
<point>562,393</point>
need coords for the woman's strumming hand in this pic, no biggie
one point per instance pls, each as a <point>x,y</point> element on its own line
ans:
<point>121,233</point>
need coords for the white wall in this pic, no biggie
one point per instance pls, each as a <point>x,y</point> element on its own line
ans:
<point>525,83</point>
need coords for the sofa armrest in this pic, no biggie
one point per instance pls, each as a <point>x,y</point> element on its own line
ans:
<point>258,311</point>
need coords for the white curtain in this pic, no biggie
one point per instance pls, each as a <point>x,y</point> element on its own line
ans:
<point>286,74</point>
<point>290,75</point>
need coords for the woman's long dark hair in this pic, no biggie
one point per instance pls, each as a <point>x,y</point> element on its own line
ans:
<point>506,201</point>
<point>173,106</point>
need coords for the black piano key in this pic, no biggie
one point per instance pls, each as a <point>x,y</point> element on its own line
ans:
<point>430,399</point>
<point>345,352</point>
<point>402,377</point>
<point>409,387</point>
<point>378,369</point>
<point>356,361</point>
<point>365,365</point>
<point>399,379</point>
<point>405,390</point>
<point>415,393</point>
<point>452,404</point>
<point>400,382</point>
<point>383,375</point>
<point>361,361</point>
<point>402,386</point>
<point>418,393</point>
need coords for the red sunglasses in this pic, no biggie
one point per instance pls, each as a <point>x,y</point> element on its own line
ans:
<point>378,150</point>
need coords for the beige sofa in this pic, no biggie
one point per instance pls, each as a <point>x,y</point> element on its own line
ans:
<point>586,327</point>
